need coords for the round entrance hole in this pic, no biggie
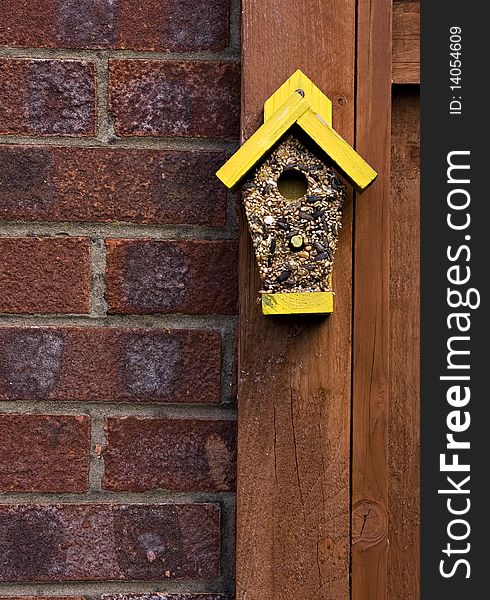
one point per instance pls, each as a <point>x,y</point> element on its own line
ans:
<point>292,184</point>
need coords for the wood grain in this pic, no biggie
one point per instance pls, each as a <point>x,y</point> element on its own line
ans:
<point>370,400</point>
<point>297,303</point>
<point>403,455</point>
<point>406,41</point>
<point>294,386</point>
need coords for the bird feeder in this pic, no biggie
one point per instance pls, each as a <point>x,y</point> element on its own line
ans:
<point>289,173</point>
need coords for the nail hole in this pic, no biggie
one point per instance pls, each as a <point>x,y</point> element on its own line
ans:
<point>292,184</point>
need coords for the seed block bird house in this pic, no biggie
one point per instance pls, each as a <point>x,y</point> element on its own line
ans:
<point>289,173</point>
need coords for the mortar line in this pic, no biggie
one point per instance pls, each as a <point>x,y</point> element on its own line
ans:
<point>171,321</point>
<point>228,537</point>
<point>96,588</point>
<point>104,126</point>
<point>150,142</point>
<point>116,230</point>
<point>103,497</point>
<point>232,214</point>
<point>101,409</point>
<point>96,460</point>
<point>228,360</point>
<point>235,24</point>
<point>91,54</point>
<point>98,263</point>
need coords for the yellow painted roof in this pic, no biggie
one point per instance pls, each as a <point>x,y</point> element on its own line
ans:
<point>296,109</point>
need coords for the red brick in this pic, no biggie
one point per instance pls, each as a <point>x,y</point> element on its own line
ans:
<point>176,25</point>
<point>97,184</point>
<point>47,97</point>
<point>58,23</point>
<point>109,542</point>
<point>43,453</point>
<point>84,23</point>
<point>194,277</point>
<point>44,275</point>
<point>132,365</point>
<point>172,98</point>
<point>182,455</point>
<point>162,596</point>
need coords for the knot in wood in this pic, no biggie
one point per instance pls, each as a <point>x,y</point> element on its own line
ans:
<point>369,523</point>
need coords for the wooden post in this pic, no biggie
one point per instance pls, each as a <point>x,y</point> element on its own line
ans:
<point>404,430</point>
<point>371,383</point>
<point>293,504</point>
<point>295,393</point>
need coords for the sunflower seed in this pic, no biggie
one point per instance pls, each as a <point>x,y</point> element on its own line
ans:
<point>335,183</point>
<point>305,216</point>
<point>324,255</point>
<point>283,276</point>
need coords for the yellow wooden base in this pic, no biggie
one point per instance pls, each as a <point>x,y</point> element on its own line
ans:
<point>297,303</point>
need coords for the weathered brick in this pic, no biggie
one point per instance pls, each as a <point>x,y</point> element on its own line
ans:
<point>27,23</point>
<point>44,453</point>
<point>172,98</point>
<point>108,364</point>
<point>44,275</point>
<point>85,23</point>
<point>109,542</point>
<point>176,25</point>
<point>162,596</point>
<point>148,454</point>
<point>179,26</point>
<point>47,97</point>
<point>97,184</point>
<point>194,277</point>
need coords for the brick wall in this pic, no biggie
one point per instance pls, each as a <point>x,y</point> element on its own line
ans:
<point>118,293</point>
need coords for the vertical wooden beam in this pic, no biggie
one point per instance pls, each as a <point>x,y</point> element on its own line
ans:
<point>293,493</point>
<point>371,306</point>
<point>404,426</point>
